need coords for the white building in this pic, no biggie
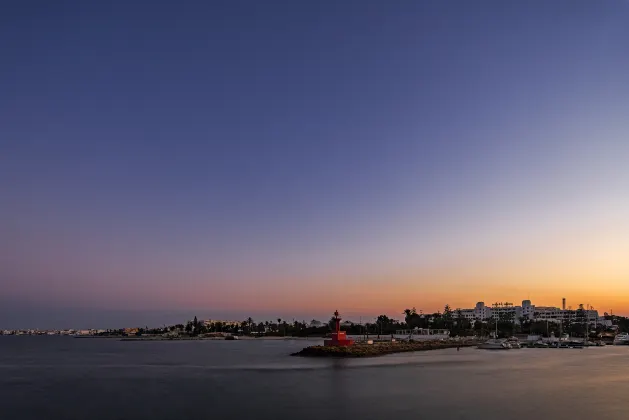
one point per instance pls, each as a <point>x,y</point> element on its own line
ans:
<point>468,314</point>
<point>505,312</point>
<point>479,313</point>
<point>482,312</point>
<point>553,314</point>
<point>547,313</point>
<point>528,311</point>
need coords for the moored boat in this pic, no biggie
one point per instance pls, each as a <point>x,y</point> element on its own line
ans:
<point>576,344</point>
<point>514,343</point>
<point>494,344</point>
<point>621,339</point>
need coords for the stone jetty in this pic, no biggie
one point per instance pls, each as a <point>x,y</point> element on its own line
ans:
<point>382,348</point>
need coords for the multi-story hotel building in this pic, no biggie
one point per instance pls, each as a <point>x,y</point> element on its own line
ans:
<point>527,311</point>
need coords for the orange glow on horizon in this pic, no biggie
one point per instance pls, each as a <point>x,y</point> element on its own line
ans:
<point>430,292</point>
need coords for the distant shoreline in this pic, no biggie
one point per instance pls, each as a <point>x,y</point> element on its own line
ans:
<point>159,338</point>
<point>240,338</point>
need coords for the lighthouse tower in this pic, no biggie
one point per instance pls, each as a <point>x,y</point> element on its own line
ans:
<point>338,338</point>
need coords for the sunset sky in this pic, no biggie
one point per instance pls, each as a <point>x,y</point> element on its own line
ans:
<point>287,158</point>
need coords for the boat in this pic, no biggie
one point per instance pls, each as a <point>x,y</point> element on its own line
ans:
<point>621,339</point>
<point>494,344</point>
<point>536,341</point>
<point>576,344</point>
<point>514,343</point>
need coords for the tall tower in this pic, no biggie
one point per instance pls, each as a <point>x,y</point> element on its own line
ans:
<point>563,304</point>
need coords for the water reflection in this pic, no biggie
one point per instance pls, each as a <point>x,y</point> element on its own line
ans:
<point>60,378</point>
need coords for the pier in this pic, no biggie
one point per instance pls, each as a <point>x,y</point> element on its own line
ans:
<point>382,348</point>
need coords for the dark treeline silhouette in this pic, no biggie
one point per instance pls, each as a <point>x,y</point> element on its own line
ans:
<point>449,319</point>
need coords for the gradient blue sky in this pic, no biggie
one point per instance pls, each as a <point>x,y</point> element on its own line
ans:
<point>245,158</point>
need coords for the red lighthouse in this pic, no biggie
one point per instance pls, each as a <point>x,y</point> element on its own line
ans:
<point>338,338</point>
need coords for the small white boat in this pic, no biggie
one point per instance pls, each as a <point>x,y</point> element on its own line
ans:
<point>621,339</point>
<point>494,344</point>
<point>514,343</point>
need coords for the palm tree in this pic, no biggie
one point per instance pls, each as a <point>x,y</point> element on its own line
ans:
<point>410,315</point>
<point>447,316</point>
<point>279,320</point>
<point>407,316</point>
<point>249,322</point>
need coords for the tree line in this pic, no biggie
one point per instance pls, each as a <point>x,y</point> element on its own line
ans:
<point>448,319</point>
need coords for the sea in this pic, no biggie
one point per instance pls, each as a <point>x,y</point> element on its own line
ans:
<point>63,378</point>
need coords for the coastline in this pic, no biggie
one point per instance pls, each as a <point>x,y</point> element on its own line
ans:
<point>240,338</point>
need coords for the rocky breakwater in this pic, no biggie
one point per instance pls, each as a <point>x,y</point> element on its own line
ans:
<point>381,349</point>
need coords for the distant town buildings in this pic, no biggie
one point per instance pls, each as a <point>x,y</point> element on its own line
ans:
<point>210,322</point>
<point>504,311</point>
<point>529,312</point>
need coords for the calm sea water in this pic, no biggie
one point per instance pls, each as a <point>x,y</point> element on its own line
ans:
<point>67,378</point>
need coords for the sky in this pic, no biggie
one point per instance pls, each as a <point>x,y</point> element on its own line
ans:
<point>241,158</point>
